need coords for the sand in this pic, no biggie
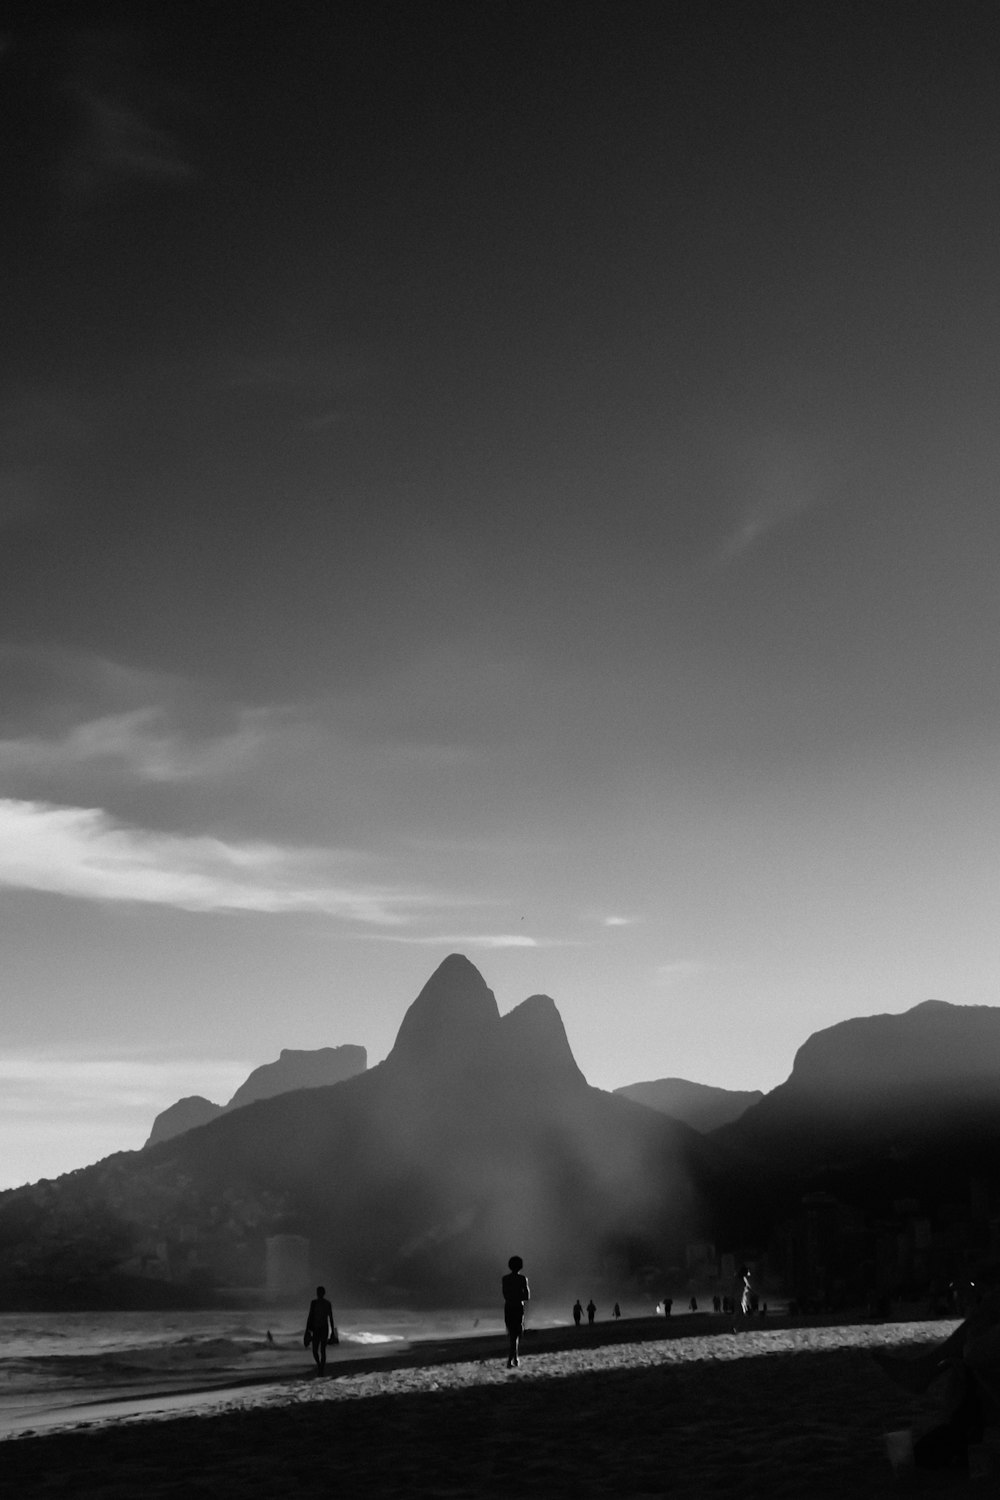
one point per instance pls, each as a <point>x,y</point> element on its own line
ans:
<point>621,1411</point>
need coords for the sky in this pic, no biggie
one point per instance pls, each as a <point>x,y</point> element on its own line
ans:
<point>508,478</point>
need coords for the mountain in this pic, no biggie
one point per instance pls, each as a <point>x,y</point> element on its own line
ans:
<point>293,1070</point>
<point>477,1136</point>
<point>875,1167</point>
<point>698,1104</point>
<point>186,1114</point>
<point>876,1081</point>
<point>878,1112</point>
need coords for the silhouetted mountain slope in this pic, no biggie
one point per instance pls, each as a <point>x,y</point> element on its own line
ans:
<point>866,1082</point>
<point>300,1070</point>
<point>698,1104</point>
<point>876,1109</point>
<point>477,1136</point>
<point>293,1070</point>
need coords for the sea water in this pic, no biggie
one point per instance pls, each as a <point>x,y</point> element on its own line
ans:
<point>59,1359</point>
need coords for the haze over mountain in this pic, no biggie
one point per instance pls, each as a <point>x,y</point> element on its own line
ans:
<point>861,1083</point>
<point>878,1112</point>
<point>476,1136</point>
<point>699,1105</point>
<point>293,1070</point>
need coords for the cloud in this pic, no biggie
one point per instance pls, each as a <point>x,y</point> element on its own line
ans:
<point>615,921</point>
<point>459,940</point>
<point>785,475</point>
<point>70,1080</point>
<point>83,853</point>
<point>143,741</point>
<point>118,144</point>
<point>121,137</point>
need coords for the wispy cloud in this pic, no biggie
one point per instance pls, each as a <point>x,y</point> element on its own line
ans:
<point>118,144</point>
<point>786,476</point>
<point>82,852</point>
<point>123,128</point>
<point>144,741</point>
<point>76,1079</point>
<point>484,940</point>
<point>618,921</point>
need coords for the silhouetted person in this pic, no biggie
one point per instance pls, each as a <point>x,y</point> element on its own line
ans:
<point>668,1303</point>
<point>319,1327</point>
<point>693,1304</point>
<point>515,1294</point>
<point>717,1303</point>
<point>270,1336</point>
<point>616,1311</point>
<point>577,1311</point>
<point>591,1311</point>
<point>741,1293</point>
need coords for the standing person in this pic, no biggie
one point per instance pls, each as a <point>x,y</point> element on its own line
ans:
<point>741,1294</point>
<point>577,1311</point>
<point>616,1312</point>
<point>591,1312</point>
<point>320,1328</point>
<point>515,1294</point>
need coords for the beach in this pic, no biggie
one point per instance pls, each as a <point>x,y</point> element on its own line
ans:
<point>637,1409</point>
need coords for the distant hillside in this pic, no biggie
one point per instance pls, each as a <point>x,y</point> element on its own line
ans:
<point>293,1070</point>
<point>698,1104</point>
<point>878,1110</point>
<point>876,1080</point>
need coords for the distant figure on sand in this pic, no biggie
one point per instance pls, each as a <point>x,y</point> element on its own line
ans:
<point>577,1311</point>
<point>616,1311</point>
<point>693,1304</point>
<point>968,1364</point>
<point>319,1327</point>
<point>741,1293</point>
<point>591,1311</point>
<point>515,1294</point>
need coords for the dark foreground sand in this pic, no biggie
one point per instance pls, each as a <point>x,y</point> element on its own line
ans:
<point>771,1412</point>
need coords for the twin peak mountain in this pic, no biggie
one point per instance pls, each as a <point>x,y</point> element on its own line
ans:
<point>454,1023</point>
<point>479,1136</point>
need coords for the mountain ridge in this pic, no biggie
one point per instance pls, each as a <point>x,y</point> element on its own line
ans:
<point>294,1069</point>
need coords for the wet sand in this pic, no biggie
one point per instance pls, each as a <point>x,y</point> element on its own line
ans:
<point>633,1410</point>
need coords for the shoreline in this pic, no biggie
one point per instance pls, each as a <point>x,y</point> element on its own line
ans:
<point>778,1412</point>
<point>291,1376</point>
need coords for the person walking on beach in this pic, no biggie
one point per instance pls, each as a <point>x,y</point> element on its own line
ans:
<point>741,1295</point>
<point>515,1294</point>
<point>577,1311</point>
<point>320,1328</point>
<point>591,1312</point>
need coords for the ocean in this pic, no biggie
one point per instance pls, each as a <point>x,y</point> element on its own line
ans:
<point>53,1365</point>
